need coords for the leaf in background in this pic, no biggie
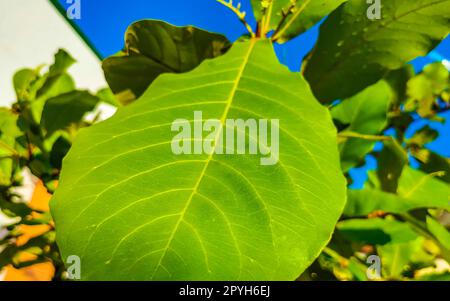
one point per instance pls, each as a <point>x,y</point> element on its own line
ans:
<point>354,52</point>
<point>155,47</point>
<point>396,257</point>
<point>107,96</point>
<point>22,81</point>
<point>59,150</point>
<point>418,185</point>
<point>416,190</point>
<point>66,109</point>
<point>33,89</point>
<point>423,89</point>
<point>203,216</point>
<point>52,78</point>
<point>398,80</point>
<point>365,113</point>
<point>292,18</point>
<point>391,161</point>
<point>423,136</point>
<point>63,61</point>
<point>376,231</point>
<point>443,276</point>
<point>433,80</point>
<point>432,163</point>
<point>439,231</point>
<point>366,201</point>
<point>9,132</point>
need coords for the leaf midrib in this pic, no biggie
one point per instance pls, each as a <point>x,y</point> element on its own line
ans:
<point>211,155</point>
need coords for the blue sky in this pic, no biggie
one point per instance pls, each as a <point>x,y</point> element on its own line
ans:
<point>104,22</point>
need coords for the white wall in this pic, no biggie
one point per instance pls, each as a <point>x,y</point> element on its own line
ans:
<point>31,31</point>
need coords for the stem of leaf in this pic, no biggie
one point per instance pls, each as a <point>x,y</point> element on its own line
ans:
<point>342,260</point>
<point>241,15</point>
<point>333,254</point>
<point>283,19</point>
<point>364,137</point>
<point>295,15</point>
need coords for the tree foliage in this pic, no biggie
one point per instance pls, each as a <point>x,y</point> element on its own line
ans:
<point>35,135</point>
<point>131,209</point>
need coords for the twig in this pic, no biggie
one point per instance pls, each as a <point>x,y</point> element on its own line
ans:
<point>237,11</point>
<point>285,14</point>
<point>364,137</point>
<point>296,13</point>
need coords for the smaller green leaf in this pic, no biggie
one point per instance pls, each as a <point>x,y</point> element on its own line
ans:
<point>33,92</point>
<point>435,80</point>
<point>417,185</point>
<point>439,231</point>
<point>445,276</point>
<point>59,150</point>
<point>63,61</point>
<point>9,132</point>
<point>155,47</point>
<point>416,190</point>
<point>365,113</point>
<point>398,80</point>
<point>107,96</point>
<point>365,201</point>
<point>63,110</point>
<point>423,136</point>
<point>22,80</point>
<point>376,231</point>
<point>396,257</point>
<point>432,163</point>
<point>391,161</point>
<point>424,88</point>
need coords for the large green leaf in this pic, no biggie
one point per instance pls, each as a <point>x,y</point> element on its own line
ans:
<point>155,47</point>
<point>365,113</point>
<point>354,52</point>
<point>131,209</point>
<point>291,18</point>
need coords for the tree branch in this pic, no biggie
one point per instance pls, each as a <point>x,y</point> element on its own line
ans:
<point>237,11</point>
